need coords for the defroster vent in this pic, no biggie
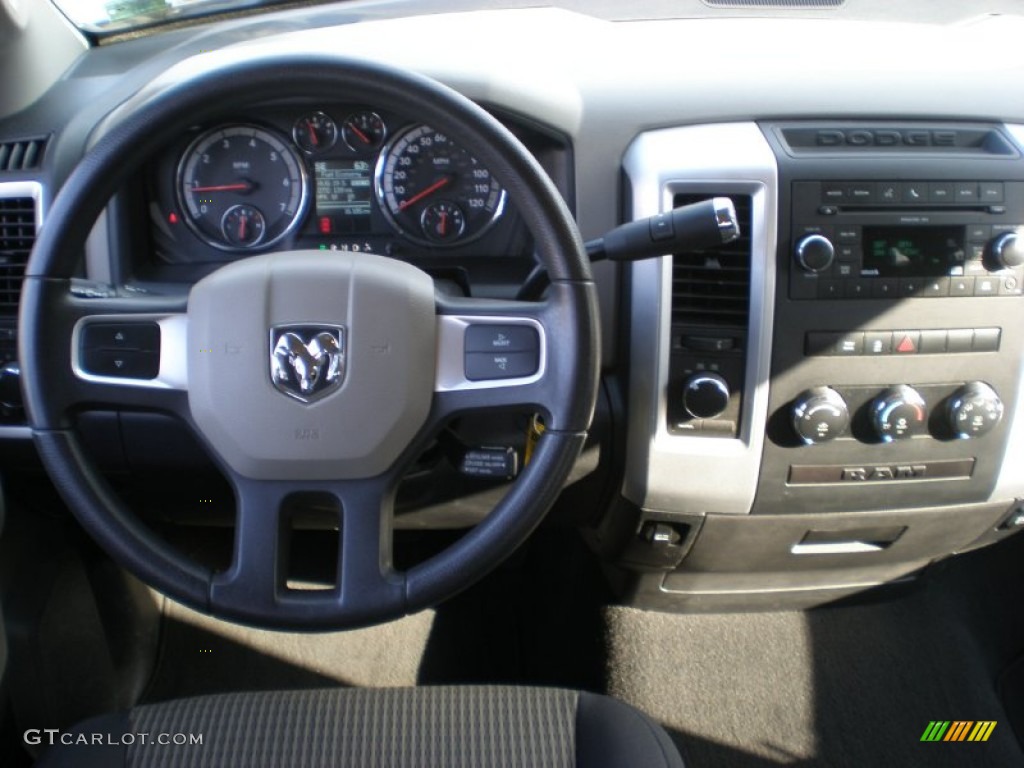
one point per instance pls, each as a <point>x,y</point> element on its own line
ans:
<point>17,235</point>
<point>711,287</point>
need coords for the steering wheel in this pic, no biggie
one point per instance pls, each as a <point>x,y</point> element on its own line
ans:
<point>389,353</point>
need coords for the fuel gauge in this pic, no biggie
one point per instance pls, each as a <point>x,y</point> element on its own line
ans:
<point>443,221</point>
<point>315,133</point>
<point>364,131</point>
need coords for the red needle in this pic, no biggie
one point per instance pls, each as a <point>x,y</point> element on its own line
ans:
<point>243,186</point>
<point>242,222</point>
<point>444,223</point>
<point>362,136</point>
<point>428,191</point>
<point>312,134</point>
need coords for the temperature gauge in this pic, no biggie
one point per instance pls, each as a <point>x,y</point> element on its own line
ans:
<point>364,131</point>
<point>315,133</point>
<point>243,226</point>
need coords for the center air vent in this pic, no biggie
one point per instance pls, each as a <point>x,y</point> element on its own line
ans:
<point>17,235</point>
<point>711,287</point>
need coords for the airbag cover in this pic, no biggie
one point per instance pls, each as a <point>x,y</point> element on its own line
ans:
<point>359,424</point>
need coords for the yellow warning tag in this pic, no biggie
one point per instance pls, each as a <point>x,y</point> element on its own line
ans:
<point>533,433</point>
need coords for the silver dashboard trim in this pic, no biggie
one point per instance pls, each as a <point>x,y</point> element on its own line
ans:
<point>672,473</point>
<point>451,352</point>
<point>173,372</point>
<point>33,189</point>
<point>1010,481</point>
<point>37,192</point>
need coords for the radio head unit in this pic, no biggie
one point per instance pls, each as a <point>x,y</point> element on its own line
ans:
<point>880,240</point>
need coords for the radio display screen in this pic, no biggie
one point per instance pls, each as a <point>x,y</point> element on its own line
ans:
<point>906,251</point>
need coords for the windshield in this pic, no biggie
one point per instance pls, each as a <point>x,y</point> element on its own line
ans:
<point>104,17</point>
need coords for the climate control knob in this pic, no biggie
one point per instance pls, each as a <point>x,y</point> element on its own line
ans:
<point>974,410</point>
<point>1008,251</point>
<point>819,415</point>
<point>705,395</point>
<point>814,253</point>
<point>899,412</point>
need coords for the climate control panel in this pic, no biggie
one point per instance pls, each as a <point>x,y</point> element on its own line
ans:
<point>899,412</point>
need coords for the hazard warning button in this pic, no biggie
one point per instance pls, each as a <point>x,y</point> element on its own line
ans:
<point>906,342</point>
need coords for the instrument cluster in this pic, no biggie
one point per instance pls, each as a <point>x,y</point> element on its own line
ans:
<point>341,177</point>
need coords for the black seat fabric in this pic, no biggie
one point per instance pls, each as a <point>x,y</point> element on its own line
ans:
<point>456,727</point>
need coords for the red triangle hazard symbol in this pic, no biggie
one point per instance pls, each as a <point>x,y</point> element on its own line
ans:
<point>906,345</point>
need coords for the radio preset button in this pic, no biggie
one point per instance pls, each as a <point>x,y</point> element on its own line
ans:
<point>857,289</point>
<point>961,286</point>
<point>911,286</point>
<point>986,286</point>
<point>885,288</point>
<point>935,287</point>
<point>830,289</point>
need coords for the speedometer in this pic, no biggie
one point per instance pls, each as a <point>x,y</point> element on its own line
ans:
<point>433,191</point>
<point>241,187</point>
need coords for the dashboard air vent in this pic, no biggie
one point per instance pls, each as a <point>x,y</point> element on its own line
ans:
<point>17,235</point>
<point>22,154</point>
<point>711,287</point>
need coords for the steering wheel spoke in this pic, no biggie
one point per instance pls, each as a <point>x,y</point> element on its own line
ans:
<point>116,353</point>
<point>495,354</point>
<point>356,580</point>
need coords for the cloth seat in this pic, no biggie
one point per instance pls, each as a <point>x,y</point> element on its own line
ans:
<point>428,727</point>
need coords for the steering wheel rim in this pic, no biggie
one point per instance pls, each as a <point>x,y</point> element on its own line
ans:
<point>50,312</point>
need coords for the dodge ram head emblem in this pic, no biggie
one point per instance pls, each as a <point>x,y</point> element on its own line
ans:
<point>307,362</point>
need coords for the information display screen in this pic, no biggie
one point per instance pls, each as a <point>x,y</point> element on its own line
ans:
<point>905,251</point>
<point>343,188</point>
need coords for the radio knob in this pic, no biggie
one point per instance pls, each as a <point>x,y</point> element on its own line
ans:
<point>814,253</point>
<point>705,395</point>
<point>819,415</point>
<point>1008,250</point>
<point>898,413</point>
<point>974,410</point>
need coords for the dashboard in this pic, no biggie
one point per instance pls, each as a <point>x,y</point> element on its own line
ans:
<point>335,177</point>
<point>830,403</point>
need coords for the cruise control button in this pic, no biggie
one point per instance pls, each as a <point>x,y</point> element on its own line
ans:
<point>142,336</point>
<point>121,364</point>
<point>484,337</point>
<point>481,366</point>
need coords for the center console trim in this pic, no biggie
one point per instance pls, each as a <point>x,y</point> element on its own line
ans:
<point>679,473</point>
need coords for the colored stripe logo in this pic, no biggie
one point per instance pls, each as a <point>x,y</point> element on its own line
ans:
<point>958,730</point>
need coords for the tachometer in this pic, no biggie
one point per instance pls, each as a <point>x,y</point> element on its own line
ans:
<point>433,191</point>
<point>241,187</point>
